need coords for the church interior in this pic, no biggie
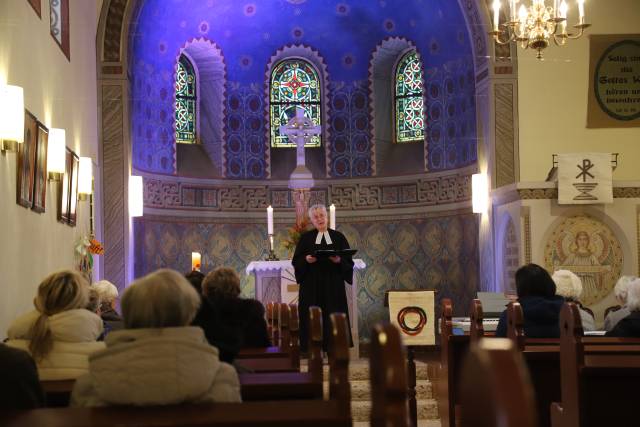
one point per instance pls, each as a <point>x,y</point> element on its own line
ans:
<point>435,144</point>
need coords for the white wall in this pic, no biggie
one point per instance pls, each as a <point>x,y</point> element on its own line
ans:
<point>61,94</point>
<point>553,97</point>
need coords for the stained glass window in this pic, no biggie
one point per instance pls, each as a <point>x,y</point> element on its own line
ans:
<point>409,104</point>
<point>185,102</point>
<point>294,83</point>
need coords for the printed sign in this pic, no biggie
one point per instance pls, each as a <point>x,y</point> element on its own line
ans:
<point>413,313</point>
<point>614,89</point>
<point>584,178</point>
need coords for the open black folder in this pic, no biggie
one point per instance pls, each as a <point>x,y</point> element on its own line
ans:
<point>334,252</point>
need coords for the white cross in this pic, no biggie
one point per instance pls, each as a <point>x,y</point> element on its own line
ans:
<point>300,130</point>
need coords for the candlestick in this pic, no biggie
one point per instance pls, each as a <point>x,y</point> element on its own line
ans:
<point>196,258</point>
<point>332,216</point>
<point>270,220</point>
<point>272,255</point>
<point>581,11</point>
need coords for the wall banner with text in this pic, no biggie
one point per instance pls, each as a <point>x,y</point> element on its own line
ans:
<point>614,81</point>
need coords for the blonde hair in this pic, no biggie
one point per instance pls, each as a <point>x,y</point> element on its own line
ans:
<point>222,281</point>
<point>162,299</point>
<point>58,292</point>
<point>568,284</point>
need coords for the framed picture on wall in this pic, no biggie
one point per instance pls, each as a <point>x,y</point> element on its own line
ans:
<point>73,190</point>
<point>27,162</point>
<point>68,189</point>
<point>37,6</point>
<point>40,185</point>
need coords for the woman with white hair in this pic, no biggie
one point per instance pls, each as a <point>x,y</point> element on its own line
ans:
<point>157,359</point>
<point>108,294</point>
<point>630,325</point>
<point>569,286</point>
<point>620,292</point>
<point>60,333</point>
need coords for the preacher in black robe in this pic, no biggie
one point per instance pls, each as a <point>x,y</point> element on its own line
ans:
<point>321,279</point>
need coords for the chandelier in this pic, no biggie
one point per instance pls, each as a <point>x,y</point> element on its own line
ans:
<point>535,26</point>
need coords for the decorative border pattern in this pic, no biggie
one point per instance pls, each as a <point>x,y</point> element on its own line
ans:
<point>423,190</point>
<point>527,237</point>
<point>552,193</point>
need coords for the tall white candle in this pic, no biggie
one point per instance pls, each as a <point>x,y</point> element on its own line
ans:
<point>269,220</point>
<point>563,14</point>
<point>332,216</point>
<point>496,14</point>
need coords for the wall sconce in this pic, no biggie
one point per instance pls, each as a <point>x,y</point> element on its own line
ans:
<point>85,178</point>
<point>135,196</point>
<point>11,117</point>
<point>56,153</point>
<point>480,192</point>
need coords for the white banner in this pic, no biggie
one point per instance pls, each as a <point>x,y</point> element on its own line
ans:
<point>584,178</point>
<point>413,313</point>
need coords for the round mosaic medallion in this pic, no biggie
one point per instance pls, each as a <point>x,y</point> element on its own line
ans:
<point>591,250</point>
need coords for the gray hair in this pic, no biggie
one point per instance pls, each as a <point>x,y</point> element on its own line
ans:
<point>161,299</point>
<point>106,290</point>
<point>633,295</point>
<point>317,206</point>
<point>568,284</point>
<point>620,290</point>
<point>94,300</point>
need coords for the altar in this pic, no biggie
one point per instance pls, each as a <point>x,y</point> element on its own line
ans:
<point>276,282</point>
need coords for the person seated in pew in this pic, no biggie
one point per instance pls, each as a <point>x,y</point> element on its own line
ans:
<point>620,292</point>
<point>60,333</point>
<point>20,387</point>
<point>569,286</point>
<point>630,325</point>
<point>540,304</point>
<point>230,323</point>
<point>195,278</point>
<point>157,359</point>
<point>108,294</point>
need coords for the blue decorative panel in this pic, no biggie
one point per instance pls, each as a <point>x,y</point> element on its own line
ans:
<point>427,253</point>
<point>350,153</point>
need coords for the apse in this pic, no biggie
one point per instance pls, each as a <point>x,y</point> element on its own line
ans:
<point>354,43</point>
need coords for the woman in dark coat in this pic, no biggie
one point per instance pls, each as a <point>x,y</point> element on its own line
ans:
<point>321,279</point>
<point>630,325</point>
<point>230,323</point>
<point>540,305</point>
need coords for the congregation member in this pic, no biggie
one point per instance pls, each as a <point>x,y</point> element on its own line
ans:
<point>60,333</point>
<point>630,325</point>
<point>20,387</point>
<point>229,321</point>
<point>541,306</point>
<point>620,292</point>
<point>157,359</point>
<point>195,277</point>
<point>569,286</point>
<point>108,294</point>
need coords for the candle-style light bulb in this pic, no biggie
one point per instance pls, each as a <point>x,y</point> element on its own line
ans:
<point>496,14</point>
<point>564,8</point>
<point>522,19</point>
<point>581,11</point>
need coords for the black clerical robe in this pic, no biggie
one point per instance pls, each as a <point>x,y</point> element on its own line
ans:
<point>321,283</point>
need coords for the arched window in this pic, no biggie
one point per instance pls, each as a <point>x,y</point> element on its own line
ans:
<point>294,82</point>
<point>409,103</point>
<point>185,102</point>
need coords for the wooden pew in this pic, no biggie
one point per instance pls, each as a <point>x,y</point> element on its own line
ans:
<point>477,316</point>
<point>498,389</point>
<point>336,411</point>
<point>388,378</point>
<point>268,313</point>
<point>452,351</point>
<point>598,382</point>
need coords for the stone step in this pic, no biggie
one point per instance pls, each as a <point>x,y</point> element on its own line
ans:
<point>421,423</point>
<point>361,390</point>
<point>427,410</point>
<point>359,370</point>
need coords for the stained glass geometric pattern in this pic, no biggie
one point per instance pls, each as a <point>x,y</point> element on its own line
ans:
<point>294,82</point>
<point>409,104</point>
<point>185,102</point>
